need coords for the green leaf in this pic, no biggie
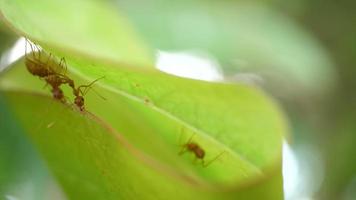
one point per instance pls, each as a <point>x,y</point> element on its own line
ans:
<point>129,148</point>
<point>90,28</point>
<point>94,161</point>
<point>250,132</point>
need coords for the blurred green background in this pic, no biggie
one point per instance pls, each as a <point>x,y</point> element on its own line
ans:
<point>302,52</point>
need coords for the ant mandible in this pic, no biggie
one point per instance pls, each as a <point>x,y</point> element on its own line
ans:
<point>198,151</point>
<point>79,94</point>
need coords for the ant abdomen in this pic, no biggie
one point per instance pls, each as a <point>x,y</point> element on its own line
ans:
<point>37,69</point>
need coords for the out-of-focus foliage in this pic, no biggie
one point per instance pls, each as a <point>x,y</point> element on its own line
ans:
<point>245,37</point>
<point>334,23</point>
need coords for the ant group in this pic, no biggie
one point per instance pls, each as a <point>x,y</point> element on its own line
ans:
<point>54,75</point>
<point>198,151</point>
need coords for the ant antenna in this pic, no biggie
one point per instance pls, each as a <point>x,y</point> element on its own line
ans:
<point>212,160</point>
<point>87,87</point>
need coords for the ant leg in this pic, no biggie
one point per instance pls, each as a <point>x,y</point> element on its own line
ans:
<point>32,49</point>
<point>44,87</point>
<point>39,51</point>
<point>181,144</point>
<point>65,66</point>
<point>48,60</point>
<point>61,63</point>
<point>180,137</point>
<point>212,160</point>
<point>191,138</point>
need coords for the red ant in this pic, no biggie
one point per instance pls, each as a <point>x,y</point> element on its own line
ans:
<point>79,94</point>
<point>198,151</point>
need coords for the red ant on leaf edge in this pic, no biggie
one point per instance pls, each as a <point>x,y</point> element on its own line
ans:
<point>54,74</point>
<point>198,152</point>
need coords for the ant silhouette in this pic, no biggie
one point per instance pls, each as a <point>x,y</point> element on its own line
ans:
<point>79,93</point>
<point>198,151</point>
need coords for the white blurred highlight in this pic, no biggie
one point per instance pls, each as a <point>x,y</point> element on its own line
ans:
<point>13,54</point>
<point>302,172</point>
<point>189,65</point>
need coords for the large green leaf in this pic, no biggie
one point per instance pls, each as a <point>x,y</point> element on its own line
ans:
<point>93,161</point>
<point>249,130</point>
<point>132,150</point>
